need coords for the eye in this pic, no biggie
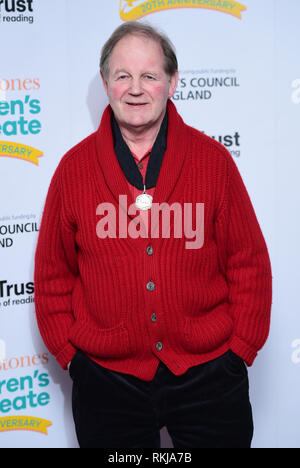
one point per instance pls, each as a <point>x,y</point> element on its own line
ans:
<point>149,77</point>
<point>122,77</point>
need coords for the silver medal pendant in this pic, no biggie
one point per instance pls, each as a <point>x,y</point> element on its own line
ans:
<point>144,201</point>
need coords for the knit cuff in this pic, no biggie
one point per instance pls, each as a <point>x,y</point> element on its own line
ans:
<point>243,350</point>
<point>66,355</point>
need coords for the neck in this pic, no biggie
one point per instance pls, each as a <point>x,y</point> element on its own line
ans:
<point>139,145</point>
<point>141,140</point>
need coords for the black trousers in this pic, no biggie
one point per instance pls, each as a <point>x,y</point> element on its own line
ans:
<point>207,407</point>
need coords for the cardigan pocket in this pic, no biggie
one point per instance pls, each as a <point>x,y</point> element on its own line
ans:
<point>110,343</point>
<point>208,332</point>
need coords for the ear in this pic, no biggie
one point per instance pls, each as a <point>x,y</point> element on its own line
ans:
<point>173,84</point>
<point>105,85</point>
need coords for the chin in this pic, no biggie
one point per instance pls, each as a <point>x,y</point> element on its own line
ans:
<point>137,122</point>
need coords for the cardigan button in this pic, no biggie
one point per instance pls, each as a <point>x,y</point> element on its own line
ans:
<point>159,346</point>
<point>153,317</point>
<point>150,286</point>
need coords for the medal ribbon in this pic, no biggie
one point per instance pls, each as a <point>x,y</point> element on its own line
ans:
<point>127,162</point>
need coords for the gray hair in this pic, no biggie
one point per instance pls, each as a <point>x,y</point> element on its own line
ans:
<point>139,29</point>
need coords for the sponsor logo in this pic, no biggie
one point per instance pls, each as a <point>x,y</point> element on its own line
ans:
<point>205,85</point>
<point>17,84</point>
<point>231,141</point>
<point>20,393</point>
<point>20,111</point>
<point>135,9</point>
<point>24,423</point>
<point>16,11</point>
<point>16,225</point>
<point>20,117</point>
<point>19,151</point>
<point>22,362</point>
<point>14,294</point>
<point>10,149</point>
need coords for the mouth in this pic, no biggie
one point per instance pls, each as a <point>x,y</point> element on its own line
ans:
<point>136,104</point>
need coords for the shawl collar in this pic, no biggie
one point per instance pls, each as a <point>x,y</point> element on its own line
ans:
<point>172,163</point>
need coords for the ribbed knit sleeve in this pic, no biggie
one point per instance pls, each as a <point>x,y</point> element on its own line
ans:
<point>248,269</point>
<point>55,273</point>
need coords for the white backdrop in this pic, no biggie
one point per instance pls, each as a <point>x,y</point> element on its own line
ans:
<point>239,83</point>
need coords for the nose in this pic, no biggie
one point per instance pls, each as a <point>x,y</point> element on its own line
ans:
<point>136,88</point>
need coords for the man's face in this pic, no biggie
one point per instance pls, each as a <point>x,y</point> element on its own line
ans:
<point>137,86</point>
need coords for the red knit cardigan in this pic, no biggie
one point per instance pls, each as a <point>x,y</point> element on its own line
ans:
<point>93,294</point>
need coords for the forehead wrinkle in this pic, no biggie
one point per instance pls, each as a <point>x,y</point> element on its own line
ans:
<point>128,50</point>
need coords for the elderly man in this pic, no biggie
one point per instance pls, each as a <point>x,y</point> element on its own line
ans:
<point>157,330</point>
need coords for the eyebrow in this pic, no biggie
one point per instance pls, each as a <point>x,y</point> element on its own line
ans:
<point>123,70</point>
<point>120,70</point>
